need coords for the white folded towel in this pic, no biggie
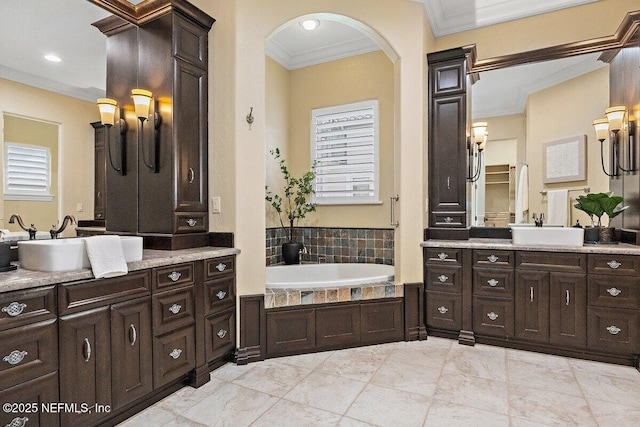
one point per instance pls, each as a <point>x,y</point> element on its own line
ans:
<point>106,256</point>
<point>522,196</point>
<point>558,208</point>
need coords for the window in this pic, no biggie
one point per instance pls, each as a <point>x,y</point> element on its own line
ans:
<point>344,143</point>
<point>27,172</point>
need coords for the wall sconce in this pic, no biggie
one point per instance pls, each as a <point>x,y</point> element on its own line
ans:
<point>110,116</point>
<point>145,109</point>
<point>475,146</point>
<point>612,125</point>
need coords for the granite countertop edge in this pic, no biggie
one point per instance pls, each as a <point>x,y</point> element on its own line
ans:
<point>505,244</point>
<point>25,279</point>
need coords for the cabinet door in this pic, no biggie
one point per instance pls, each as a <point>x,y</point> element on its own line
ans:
<point>131,351</point>
<point>85,363</point>
<point>338,325</point>
<point>568,309</point>
<point>532,305</point>
<point>381,321</point>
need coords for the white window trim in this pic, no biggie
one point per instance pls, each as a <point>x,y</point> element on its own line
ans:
<point>42,195</point>
<point>351,200</point>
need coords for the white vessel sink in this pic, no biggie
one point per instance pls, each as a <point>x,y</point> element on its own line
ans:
<point>547,236</point>
<point>68,254</point>
<point>15,236</point>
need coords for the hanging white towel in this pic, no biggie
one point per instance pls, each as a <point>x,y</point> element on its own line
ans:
<point>106,256</point>
<point>558,207</point>
<point>522,196</point>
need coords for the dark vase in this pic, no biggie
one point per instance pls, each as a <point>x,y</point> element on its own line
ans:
<point>291,252</point>
<point>607,234</point>
<point>591,234</point>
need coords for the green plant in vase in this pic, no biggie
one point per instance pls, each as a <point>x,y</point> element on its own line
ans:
<point>596,205</point>
<point>292,204</point>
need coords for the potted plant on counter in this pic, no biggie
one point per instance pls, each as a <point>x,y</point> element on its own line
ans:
<point>291,205</point>
<point>596,205</point>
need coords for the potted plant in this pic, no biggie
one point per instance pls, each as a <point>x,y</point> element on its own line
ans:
<point>596,205</point>
<point>292,205</point>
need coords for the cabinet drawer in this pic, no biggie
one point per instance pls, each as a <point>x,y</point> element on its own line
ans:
<point>27,352</point>
<point>85,295</point>
<point>444,310</point>
<point>493,282</point>
<point>190,222</point>
<point>174,355</point>
<point>173,276</point>
<point>444,279</point>
<point>493,317</point>
<point>443,256</point>
<point>36,392</point>
<point>172,309</point>
<point>219,294</point>
<point>552,261</point>
<point>449,219</point>
<point>617,292</point>
<point>217,267</point>
<point>619,265</point>
<point>493,258</point>
<point>613,330</point>
<point>220,337</point>
<point>27,306</point>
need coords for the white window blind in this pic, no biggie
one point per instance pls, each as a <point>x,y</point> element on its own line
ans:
<point>27,172</point>
<point>345,148</point>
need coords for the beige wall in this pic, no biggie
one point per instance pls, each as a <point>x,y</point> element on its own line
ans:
<point>75,145</point>
<point>564,111</point>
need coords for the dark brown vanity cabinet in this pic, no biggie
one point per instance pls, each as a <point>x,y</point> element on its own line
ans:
<point>100,172</point>
<point>219,308</point>
<point>443,276</point>
<point>493,287</point>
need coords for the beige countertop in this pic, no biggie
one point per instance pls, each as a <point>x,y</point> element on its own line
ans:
<point>24,279</point>
<point>505,244</point>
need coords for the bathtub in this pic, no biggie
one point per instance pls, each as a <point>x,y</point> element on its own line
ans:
<point>327,275</point>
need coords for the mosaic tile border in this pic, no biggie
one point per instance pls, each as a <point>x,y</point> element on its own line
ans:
<point>307,296</point>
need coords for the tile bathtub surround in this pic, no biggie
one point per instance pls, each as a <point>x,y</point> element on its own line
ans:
<point>457,385</point>
<point>288,297</point>
<point>336,245</point>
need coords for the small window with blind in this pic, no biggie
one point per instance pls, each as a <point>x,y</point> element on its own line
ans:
<point>344,145</point>
<point>27,172</point>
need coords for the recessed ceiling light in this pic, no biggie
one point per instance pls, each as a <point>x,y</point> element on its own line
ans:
<point>52,58</point>
<point>310,24</point>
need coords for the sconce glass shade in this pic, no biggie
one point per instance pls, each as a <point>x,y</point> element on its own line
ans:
<point>615,115</point>
<point>141,100</point>
<point>107,107</point>
<point>479,132</point>
<point>601,127</point>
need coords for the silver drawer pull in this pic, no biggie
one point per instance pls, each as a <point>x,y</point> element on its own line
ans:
<point>448,220</point>
<point>443,309</point>
<point>87,350</point>
<point>613,330</point>
<point>222,333</point>
<point>14,309</point>
<point>191,222</point>
<point>492,315</point>
<point>567,300</point>
<point>614,264</point>
<point>492,258</point>
<point>614,292</point>
<point>15,357</point>
<point>493,283</point>
<point>221,294</point>
<point>175,308</point>
<point>531,293</point>
<point>175,353</point>
<point>133,335</point>
<point>443,278</point>
<point>17,422</point>
<point>174,276</point>
<point>442,256</point>
<point>221,267</point>
<point>192,175</point>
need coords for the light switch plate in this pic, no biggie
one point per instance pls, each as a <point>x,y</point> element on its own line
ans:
<point>80,207</point>
<point>215,205</point>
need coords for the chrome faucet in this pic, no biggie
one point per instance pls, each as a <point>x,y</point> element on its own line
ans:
<point>301,252</point>
<point>539,222</point>
<point>67,219</point>
<point>31,230</point>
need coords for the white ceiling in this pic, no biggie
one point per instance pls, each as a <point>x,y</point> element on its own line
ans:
<point>29,29</point>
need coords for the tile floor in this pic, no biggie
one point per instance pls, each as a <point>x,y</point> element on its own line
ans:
<point>428,383</point>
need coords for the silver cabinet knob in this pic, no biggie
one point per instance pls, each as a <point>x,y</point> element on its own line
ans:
<point>175,353</point>
<point>443,309</point>
<point>448,220</point>
<point>221,294</point>
<point>15,357</point>
<point>175,308</point>
<point>222,333</point>
<point>442,256</point>
<point>492,315</point>
<point>191,222</point>
<point>17,422</point>
<point>443,278</point>
<point>221,267</point>
<point>14,309</point>
<point>614,292</point>
<point>493,283</point>
<point>492,258</point>
<point>614,264</point>
<point>613,330</point>
<point>174,276</point>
